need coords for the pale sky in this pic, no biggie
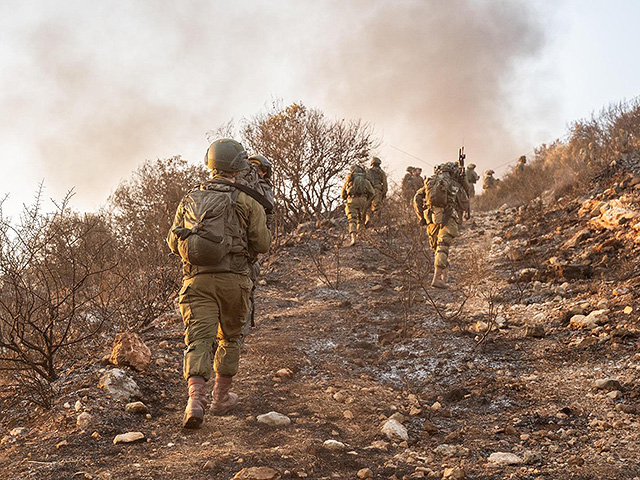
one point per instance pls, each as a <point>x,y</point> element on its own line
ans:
<point>90,89</point>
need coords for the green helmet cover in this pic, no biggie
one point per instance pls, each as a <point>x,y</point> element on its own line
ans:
<point>227,155</point>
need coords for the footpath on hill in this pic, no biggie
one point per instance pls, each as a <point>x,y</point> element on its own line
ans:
<point>494,378</point>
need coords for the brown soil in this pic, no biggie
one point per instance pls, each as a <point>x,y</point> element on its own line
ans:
<point>361,353</point>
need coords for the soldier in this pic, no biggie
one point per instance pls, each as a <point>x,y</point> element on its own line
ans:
<point>488,182</point>
<point>440,205</point>
<point>378,180</point>
<point>407,185</point>
<point>522,161</point>
<point>217,228</point>
<point>358,192</point>
<point>472,178</point>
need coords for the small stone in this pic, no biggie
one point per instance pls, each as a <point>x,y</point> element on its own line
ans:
<point>379,445</point>
<point>627,310</point>
<point>262,282</point>
<point>137,408</point>
<point>429,428</point>
<point>377,288</point>
<point>535,331</point>
<point>129,437</point>
<point>119,385</point>
<point>340,396</point>
<point>95,435</point>
<point>334,445</point>
<point>78,406</point>
<point>436,406</point>
<point>347,414</point>
<point>398,417</point>
<point>395,431</point>
<point>454,473</point>
<point>365,473</point>
<point>531,458</point>
<point>608,384</point>
<point>257,473</point>
<point>66,405</point>
<point>505,458</point>
<point>284,373</point>
<point>61,444</point>
<point>84,420</point>
<point>274,419</point>
<point>415,411</point>
<point>614,395</point>
<point>15,432</point>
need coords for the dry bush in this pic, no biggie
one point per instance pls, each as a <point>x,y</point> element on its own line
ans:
<point>310,154</point>
<point>587,150</point>
<point>142,210</point>
<point>51,291</point>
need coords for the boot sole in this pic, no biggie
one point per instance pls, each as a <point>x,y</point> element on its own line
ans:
<point>192,422</point>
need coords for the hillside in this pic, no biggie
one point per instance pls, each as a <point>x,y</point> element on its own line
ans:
<point>533,352</point>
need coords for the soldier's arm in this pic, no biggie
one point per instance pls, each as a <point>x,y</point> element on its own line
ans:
<point>418,203</point>
<point>385,186</point>
<point>258,235</point>
<point>178,221</point>
<point>343,192</point>
<point>370,189</point>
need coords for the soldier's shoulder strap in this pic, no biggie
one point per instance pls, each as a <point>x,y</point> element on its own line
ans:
<point>252,192</point>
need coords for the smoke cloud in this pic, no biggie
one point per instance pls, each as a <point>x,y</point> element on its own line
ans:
<point>91,91</point>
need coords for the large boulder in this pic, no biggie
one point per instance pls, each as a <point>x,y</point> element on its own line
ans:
<point>119,385</point>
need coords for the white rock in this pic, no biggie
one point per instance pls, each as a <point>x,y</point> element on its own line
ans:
<point>18,431</point>
<point>505,458</point>
<point>78,406</point>
<point>599,317</point>
<point>274,419</point>
<point>582,321</point>
<point>119,385</point>
<point>84,420</point>
<point>128,437</point>
<point>66,405</point>
<point>395,431</point>
<point>334,445</point>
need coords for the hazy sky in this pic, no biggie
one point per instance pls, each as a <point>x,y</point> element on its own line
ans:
<point>90,89</point>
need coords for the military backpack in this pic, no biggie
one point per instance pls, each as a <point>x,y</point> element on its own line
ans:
<point>374,175</point>
<point>439,190</point>
<point>211,229</point>
<point>357,184</point>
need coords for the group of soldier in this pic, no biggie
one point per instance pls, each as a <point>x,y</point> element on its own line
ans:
<point>222,225</point>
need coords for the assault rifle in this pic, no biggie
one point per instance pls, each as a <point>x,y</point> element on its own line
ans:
<point>461,157</point>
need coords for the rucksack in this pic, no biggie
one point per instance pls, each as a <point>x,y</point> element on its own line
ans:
<point>374,175</point>
<point>357,185</point>
<point>438,190</point>
<point>211,227</point>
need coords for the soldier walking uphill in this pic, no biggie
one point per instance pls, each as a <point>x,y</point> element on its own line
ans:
<point>411,183</point>
<point>216,229</point>
<point>488,182</point>
<point>472,178</point>
<point>440,205</point>
<point>358,192</point>
<point>378,180</point>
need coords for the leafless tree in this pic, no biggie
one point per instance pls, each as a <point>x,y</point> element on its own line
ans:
<point>50,285</point>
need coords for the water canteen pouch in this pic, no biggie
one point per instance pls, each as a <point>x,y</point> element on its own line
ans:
<point>437,190</point>
<point>357,185</point>
<point>211,227</point>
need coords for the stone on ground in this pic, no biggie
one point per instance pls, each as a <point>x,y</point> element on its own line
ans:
<point>505,458</point>
<point>395,431</point>
<point>274,419</point>
<point>129,350</point>
<point>119,385</point>
<point>129,437</point>
<point>138,408</point>
<point>257,473</point>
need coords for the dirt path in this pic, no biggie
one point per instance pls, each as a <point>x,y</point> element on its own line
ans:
<point>359,354</point>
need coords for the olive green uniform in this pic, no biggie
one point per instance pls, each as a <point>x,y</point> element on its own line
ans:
<point>443,223</point>
<point>472,178</point>
<point>378,180</point>
<point>357,205</point>
<point>214,300</point>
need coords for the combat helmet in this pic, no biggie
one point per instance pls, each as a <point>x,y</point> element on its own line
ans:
<point>471,166</point>
<point>449,167</point>
<point>410,169</point>
<point>226,155</point>
<point>375,161</point>
<point>357,169</point>
<point>489,172</point>
<point>522,159</point>
<point>262,162</point>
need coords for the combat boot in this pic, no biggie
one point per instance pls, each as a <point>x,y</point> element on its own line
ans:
<point>353,240</point>
<point>197,404</point>
<point>223,399</point>
<point>438,278</point>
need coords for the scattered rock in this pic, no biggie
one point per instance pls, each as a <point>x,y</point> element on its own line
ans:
<point>137,408</point>
<point>340,396</point>
<point>627,310</point>
<point>284,373</point>
<point>84,420</point>
<point>531,458</point>
<point>274,419</point>
<point>591,321</point>
<point>608,384</point>
<point>379,445</point>
<point>535,331</point>
<point>614,395</point>
<point>16,432</point>
<point>446,450</point>
<point>129,437</point>
<point>348,414</point>
<point>377,288</point>
<point>429,428</point>
<point>454,473</point>
<point>365,473</point>
<point>119,385</point>
<point>334,445</point>
<point>395,431</point>
<point>505,458</point>
<point>129,350</point>
<point>257,473</point>
<point>78,406</point>
<point>61,444</point>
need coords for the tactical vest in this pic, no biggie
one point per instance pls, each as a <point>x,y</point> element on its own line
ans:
<point>374,175</point>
